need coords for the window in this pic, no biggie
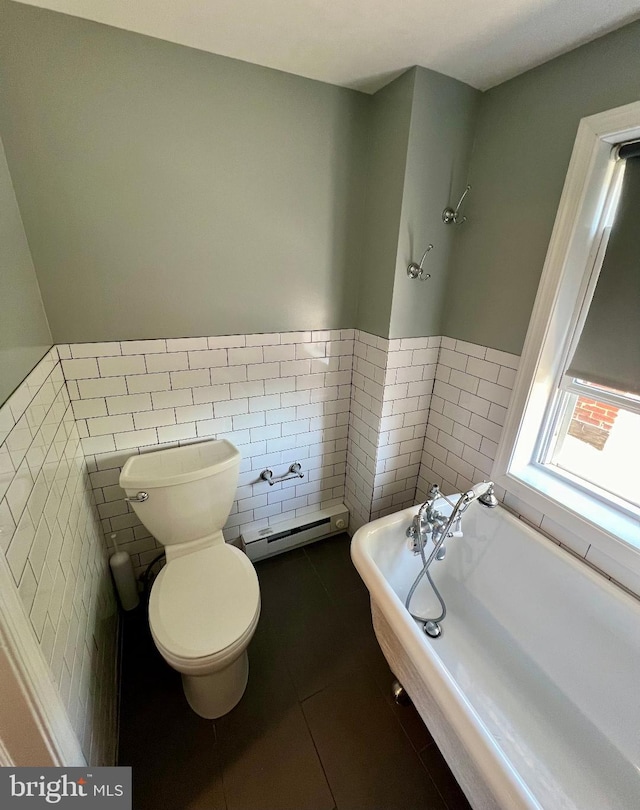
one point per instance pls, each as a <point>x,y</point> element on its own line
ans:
<point>594,426</point>
<point>571,443</point>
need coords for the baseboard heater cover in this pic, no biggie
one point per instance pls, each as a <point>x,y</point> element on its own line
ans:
<point>260,542</point>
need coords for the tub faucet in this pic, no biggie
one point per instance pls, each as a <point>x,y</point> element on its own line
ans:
<point>429,522</point>
<point>440,528</point>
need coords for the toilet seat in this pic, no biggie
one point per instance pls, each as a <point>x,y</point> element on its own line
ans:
<point>204,608</point>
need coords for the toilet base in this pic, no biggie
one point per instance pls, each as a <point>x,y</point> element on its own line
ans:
<point>211,696</point>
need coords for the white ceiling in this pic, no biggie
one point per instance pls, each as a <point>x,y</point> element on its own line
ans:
<point>363,44</point>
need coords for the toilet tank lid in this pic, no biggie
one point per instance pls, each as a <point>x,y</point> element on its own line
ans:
<point>204,602</point>
<point>178,465</point>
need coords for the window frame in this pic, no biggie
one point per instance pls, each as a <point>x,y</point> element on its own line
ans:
<point>606,536</point>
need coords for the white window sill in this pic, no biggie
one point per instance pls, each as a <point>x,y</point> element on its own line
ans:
<point>612,537</point>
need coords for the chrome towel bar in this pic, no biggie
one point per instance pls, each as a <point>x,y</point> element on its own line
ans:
<point>294,471</point>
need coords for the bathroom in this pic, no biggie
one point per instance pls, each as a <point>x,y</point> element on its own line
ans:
<point>201,244</point>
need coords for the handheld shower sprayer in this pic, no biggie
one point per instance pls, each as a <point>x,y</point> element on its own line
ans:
<point>484,493</point>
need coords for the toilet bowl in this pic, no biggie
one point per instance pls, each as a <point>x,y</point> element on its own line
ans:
<point>205,603</point>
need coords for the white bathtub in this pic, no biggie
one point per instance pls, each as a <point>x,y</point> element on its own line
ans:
<point>532,692</point>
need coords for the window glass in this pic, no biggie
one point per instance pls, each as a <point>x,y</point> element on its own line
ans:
<point>599,442</point>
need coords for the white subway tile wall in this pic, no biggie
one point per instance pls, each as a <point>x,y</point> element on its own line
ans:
<point>372,421</point>
<point>364,425</point>
<point>51,539</point>
<point>391,390</point>
<point>470,395</point>
<point>408,386</point>
<point>280,398</point>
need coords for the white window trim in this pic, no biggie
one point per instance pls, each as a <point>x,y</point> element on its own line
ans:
<point>613,538</point>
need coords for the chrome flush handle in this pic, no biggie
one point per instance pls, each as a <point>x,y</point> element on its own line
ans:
<point>141,497</point>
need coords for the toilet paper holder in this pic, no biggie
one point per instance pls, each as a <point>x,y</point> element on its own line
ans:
<point>294,471</point>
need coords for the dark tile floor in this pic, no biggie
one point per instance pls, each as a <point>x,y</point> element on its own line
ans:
<point>316,729</point>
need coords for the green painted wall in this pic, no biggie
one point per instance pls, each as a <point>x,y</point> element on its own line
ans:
<point>166,191</point>
<point>443,118</point>
<point>421,137</point>
<point>524,138</point>
<point>389,133</point>
<point>24,332</point>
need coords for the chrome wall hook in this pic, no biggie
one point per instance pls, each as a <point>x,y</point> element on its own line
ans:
<point>417,270</point>
<point>452,215</point>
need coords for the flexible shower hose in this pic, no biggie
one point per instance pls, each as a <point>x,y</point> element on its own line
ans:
<point>457,509</point>
<point>425,570</point>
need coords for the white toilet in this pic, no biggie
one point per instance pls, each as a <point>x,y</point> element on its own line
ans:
<point>205,603</point>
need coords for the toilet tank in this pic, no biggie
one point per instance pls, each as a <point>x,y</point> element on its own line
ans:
<point>191,489</point>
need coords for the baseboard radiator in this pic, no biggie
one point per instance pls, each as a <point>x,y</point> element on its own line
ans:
<point>260,542</point>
